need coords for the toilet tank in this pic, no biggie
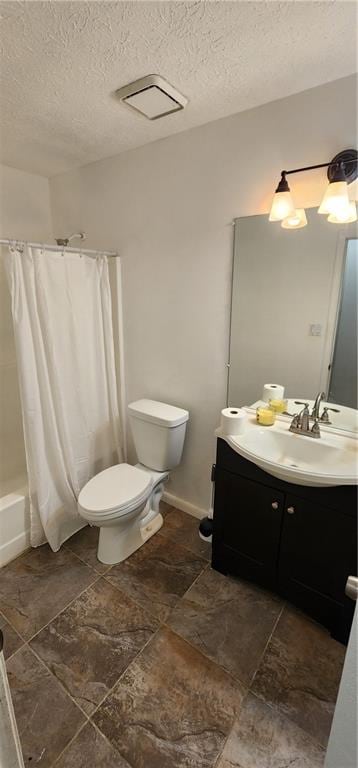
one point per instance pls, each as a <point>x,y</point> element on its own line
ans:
<point>158,432</point>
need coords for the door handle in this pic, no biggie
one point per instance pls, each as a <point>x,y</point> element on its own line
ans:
<point>274,505</point>
<point>352,587</point>
<point>291,510</point>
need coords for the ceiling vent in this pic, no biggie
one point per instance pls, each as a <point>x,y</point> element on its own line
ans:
<point>152,96</point>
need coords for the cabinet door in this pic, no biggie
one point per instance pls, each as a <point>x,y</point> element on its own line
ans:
<point>247,527</point>
<point>318,552</point>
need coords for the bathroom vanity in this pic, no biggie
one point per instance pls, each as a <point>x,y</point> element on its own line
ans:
<point>297,540</point>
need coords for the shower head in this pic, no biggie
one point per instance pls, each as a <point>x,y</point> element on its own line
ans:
<point>65,241</point>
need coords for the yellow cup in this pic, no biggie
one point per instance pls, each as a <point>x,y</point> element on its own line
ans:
<point>279,406</point>
<point>265,416</point>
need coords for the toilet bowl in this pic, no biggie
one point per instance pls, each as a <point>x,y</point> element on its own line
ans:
<point>123,500</point>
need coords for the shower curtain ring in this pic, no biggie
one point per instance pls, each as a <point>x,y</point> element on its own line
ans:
<point>16,246</point>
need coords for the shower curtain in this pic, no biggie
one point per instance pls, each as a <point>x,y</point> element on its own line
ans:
<point>62,315</point>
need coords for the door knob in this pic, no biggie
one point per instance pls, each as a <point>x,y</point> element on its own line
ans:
<point>291,510</point>
<point>274,505</point>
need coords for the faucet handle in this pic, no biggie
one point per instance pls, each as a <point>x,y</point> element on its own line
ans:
<point>295,421</point>
<point>299,402</point>
<point>325,418</point>
<point>315,431</point>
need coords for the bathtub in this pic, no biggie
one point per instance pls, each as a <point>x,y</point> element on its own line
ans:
<point>14,520</point>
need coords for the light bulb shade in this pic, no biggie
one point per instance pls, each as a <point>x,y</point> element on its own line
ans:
<point>335,200</point>
<point>351,215</point>
<point>282,206</point>
<point>296,220</point>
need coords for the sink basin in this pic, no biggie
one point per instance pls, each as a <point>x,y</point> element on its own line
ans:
<point>329,460</point>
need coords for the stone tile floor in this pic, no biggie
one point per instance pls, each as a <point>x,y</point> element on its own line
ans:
<point>161,662</point>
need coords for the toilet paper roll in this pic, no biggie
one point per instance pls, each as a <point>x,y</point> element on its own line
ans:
<point>273,392</point>
<point>233,421</point>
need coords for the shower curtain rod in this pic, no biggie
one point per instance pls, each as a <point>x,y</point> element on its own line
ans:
<point>60,248</point>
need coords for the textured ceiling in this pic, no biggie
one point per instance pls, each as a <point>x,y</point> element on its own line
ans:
<point>62,61</point>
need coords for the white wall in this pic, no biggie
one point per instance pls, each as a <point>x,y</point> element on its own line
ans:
<point>168,209</point>
<point>24,214</point>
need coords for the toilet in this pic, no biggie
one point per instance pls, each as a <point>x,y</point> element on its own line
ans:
<point>123,500</point>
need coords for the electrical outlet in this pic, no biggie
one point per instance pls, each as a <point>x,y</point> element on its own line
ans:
<point>315,329</point>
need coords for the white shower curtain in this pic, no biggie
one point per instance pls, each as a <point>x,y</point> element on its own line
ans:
<point>61,307</point>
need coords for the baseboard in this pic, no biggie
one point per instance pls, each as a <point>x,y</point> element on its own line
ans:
<point>185,506</point>
<point>13,548</point>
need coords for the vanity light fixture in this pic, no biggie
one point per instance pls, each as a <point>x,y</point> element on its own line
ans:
<point>341,171</point>
<point>282,204</point>
<point>349,215</point>
<point>296,220</point>
<point>335,200</point>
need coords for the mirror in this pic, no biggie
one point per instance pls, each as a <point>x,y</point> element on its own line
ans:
<point>294,314</point>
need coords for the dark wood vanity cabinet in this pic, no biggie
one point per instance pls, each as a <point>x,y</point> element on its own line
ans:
<point>247,526</point>
<point>299,541</point>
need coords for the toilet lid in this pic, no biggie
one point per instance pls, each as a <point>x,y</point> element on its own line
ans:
<point>114,488</point>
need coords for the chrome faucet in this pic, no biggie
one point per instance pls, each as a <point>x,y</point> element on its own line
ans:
<point>315,415</point>
<point>300,424</point>
<point>304,419</point>
<point>315,410</point>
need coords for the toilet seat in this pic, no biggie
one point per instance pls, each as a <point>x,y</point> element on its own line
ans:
<point>119,489</point>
